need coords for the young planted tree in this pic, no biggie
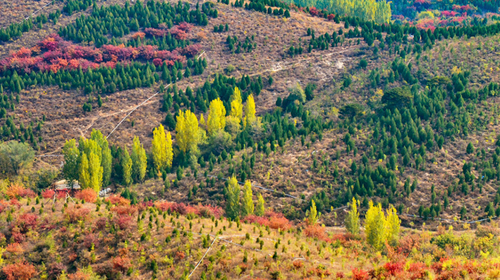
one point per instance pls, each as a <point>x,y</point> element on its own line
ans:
<point>139,160</point>
<point>393,224</point>
<point>247,207</point>
<point>216,120</point>
<point>313,215</point>
<point>352,218</point>
<point>233,198</point>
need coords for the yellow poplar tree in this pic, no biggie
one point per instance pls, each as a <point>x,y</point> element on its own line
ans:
<point>375,224</point>
<point>250,111</point>
<point>216,120</point>
<point>95,171</point>
<point>188,134</point>
<point>248,206</point>
<point>162,148</point>
<point>83,172</point>
<point>313,215</point>
<point>392,225</point>
<point>139,160</point>
<point>237,105</point>
<point>352,219</point>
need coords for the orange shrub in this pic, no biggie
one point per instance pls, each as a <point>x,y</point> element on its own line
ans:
<point>316,231</point>
<point>19,271</point>
<point>124,210</point>
<point>14,248</point>
<point>89,195</point>
<point>16,190</point>
<point>118,200</point>
<point>121,264</point>
<point>75,214</point>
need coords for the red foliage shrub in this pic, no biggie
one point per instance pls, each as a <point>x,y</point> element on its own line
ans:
<point>393,268</point>
<point>122,264</point>
<point>157,62</point>
<point>61,194</point>
<point>298,264</point>
<point>48,194</point>
<point>79,275</point>
<point>313,11</point>
<point>124,209</point>
<point>124,222</point>
<point>359,274</point>
<point>90,239</point>
<point>191,50</point>
<point>118,200</point>
<point>19,271</point>
<point>138,35</point>
<point>316,231</point>
<point>14,248</point>
<point>89,195</point>
<point>180,255</point>
<point>184,26</point>
<point>100,223</point>
<point>278,221</point>
<point>16,190</point>
<point>207,211</point>
<point>26,222</point>
<point>75,214</point>
<point>418,270</point>
<point>340,275</point>
<point>55,269</point>
<point>178,33</point>
<point>331,16</point>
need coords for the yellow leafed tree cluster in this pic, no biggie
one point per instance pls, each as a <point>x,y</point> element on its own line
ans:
<point>380,227</point>
<point>188,134</point>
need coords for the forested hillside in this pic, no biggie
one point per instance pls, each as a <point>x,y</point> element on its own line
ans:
<point>260,139</point>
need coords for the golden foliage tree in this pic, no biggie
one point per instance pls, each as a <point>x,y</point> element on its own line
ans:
<point>260,209</point>
<point>233,198</point>
<point>216,120</point>
<point>139,160</point>
<point>237,105</point>
<point>352,218</point>
<point>188,135</point>
<point>250,111</point>
<point>248,207</point>
<point>162,148</point>
<point>380,228</point>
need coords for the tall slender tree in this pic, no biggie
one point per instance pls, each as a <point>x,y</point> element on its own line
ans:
<point>216,120</point>
<point>250,111</point>
<point>139,160</point>
<point>247,207</point>
<point>233,198</point>
<point>188,135</point>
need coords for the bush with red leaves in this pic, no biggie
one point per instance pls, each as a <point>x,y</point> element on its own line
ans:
<point>180,255</point>
<point>19,271</point>
<point>121,264</point>
<point>331,16</point>
<point>124,222</point>
<point>100,224</point>
<point>19,191</point>
<point>124,209</point>
<point>48,194</point>
<point>26,221</point>
<point>272,219</point>
<point>393,268</point>
<point>208,211</point>
<point>89,195</point>
<point>191,50</point>
<point>118,200</point>
<point>75,214</point>
<point>90,239</point>
<point>313,11</point>
<point>55,269</point>
<point>359,274</point>
<point>418,270</point>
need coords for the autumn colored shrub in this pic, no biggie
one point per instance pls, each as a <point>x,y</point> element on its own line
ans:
<point>298,264</point>
<point>89,195</point>
<point>360,274</point>
<point>124,222</point>
<point>89,239</point>
<point>316,231</point>
<point>55,269</point>
<point>19,271</point>
<point>14,248</point>
<point>180,255</point>
<point>75,214</point>
<point>16,190</point>
<point>118,200</point>
<point>122,264</point>
<point>61,194</point>
<point>48,194</point>
<point>418,270</point>
<point>124,209</point>
<point>393,268</point>
<point>26,222</point>
<point>207,211</point>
